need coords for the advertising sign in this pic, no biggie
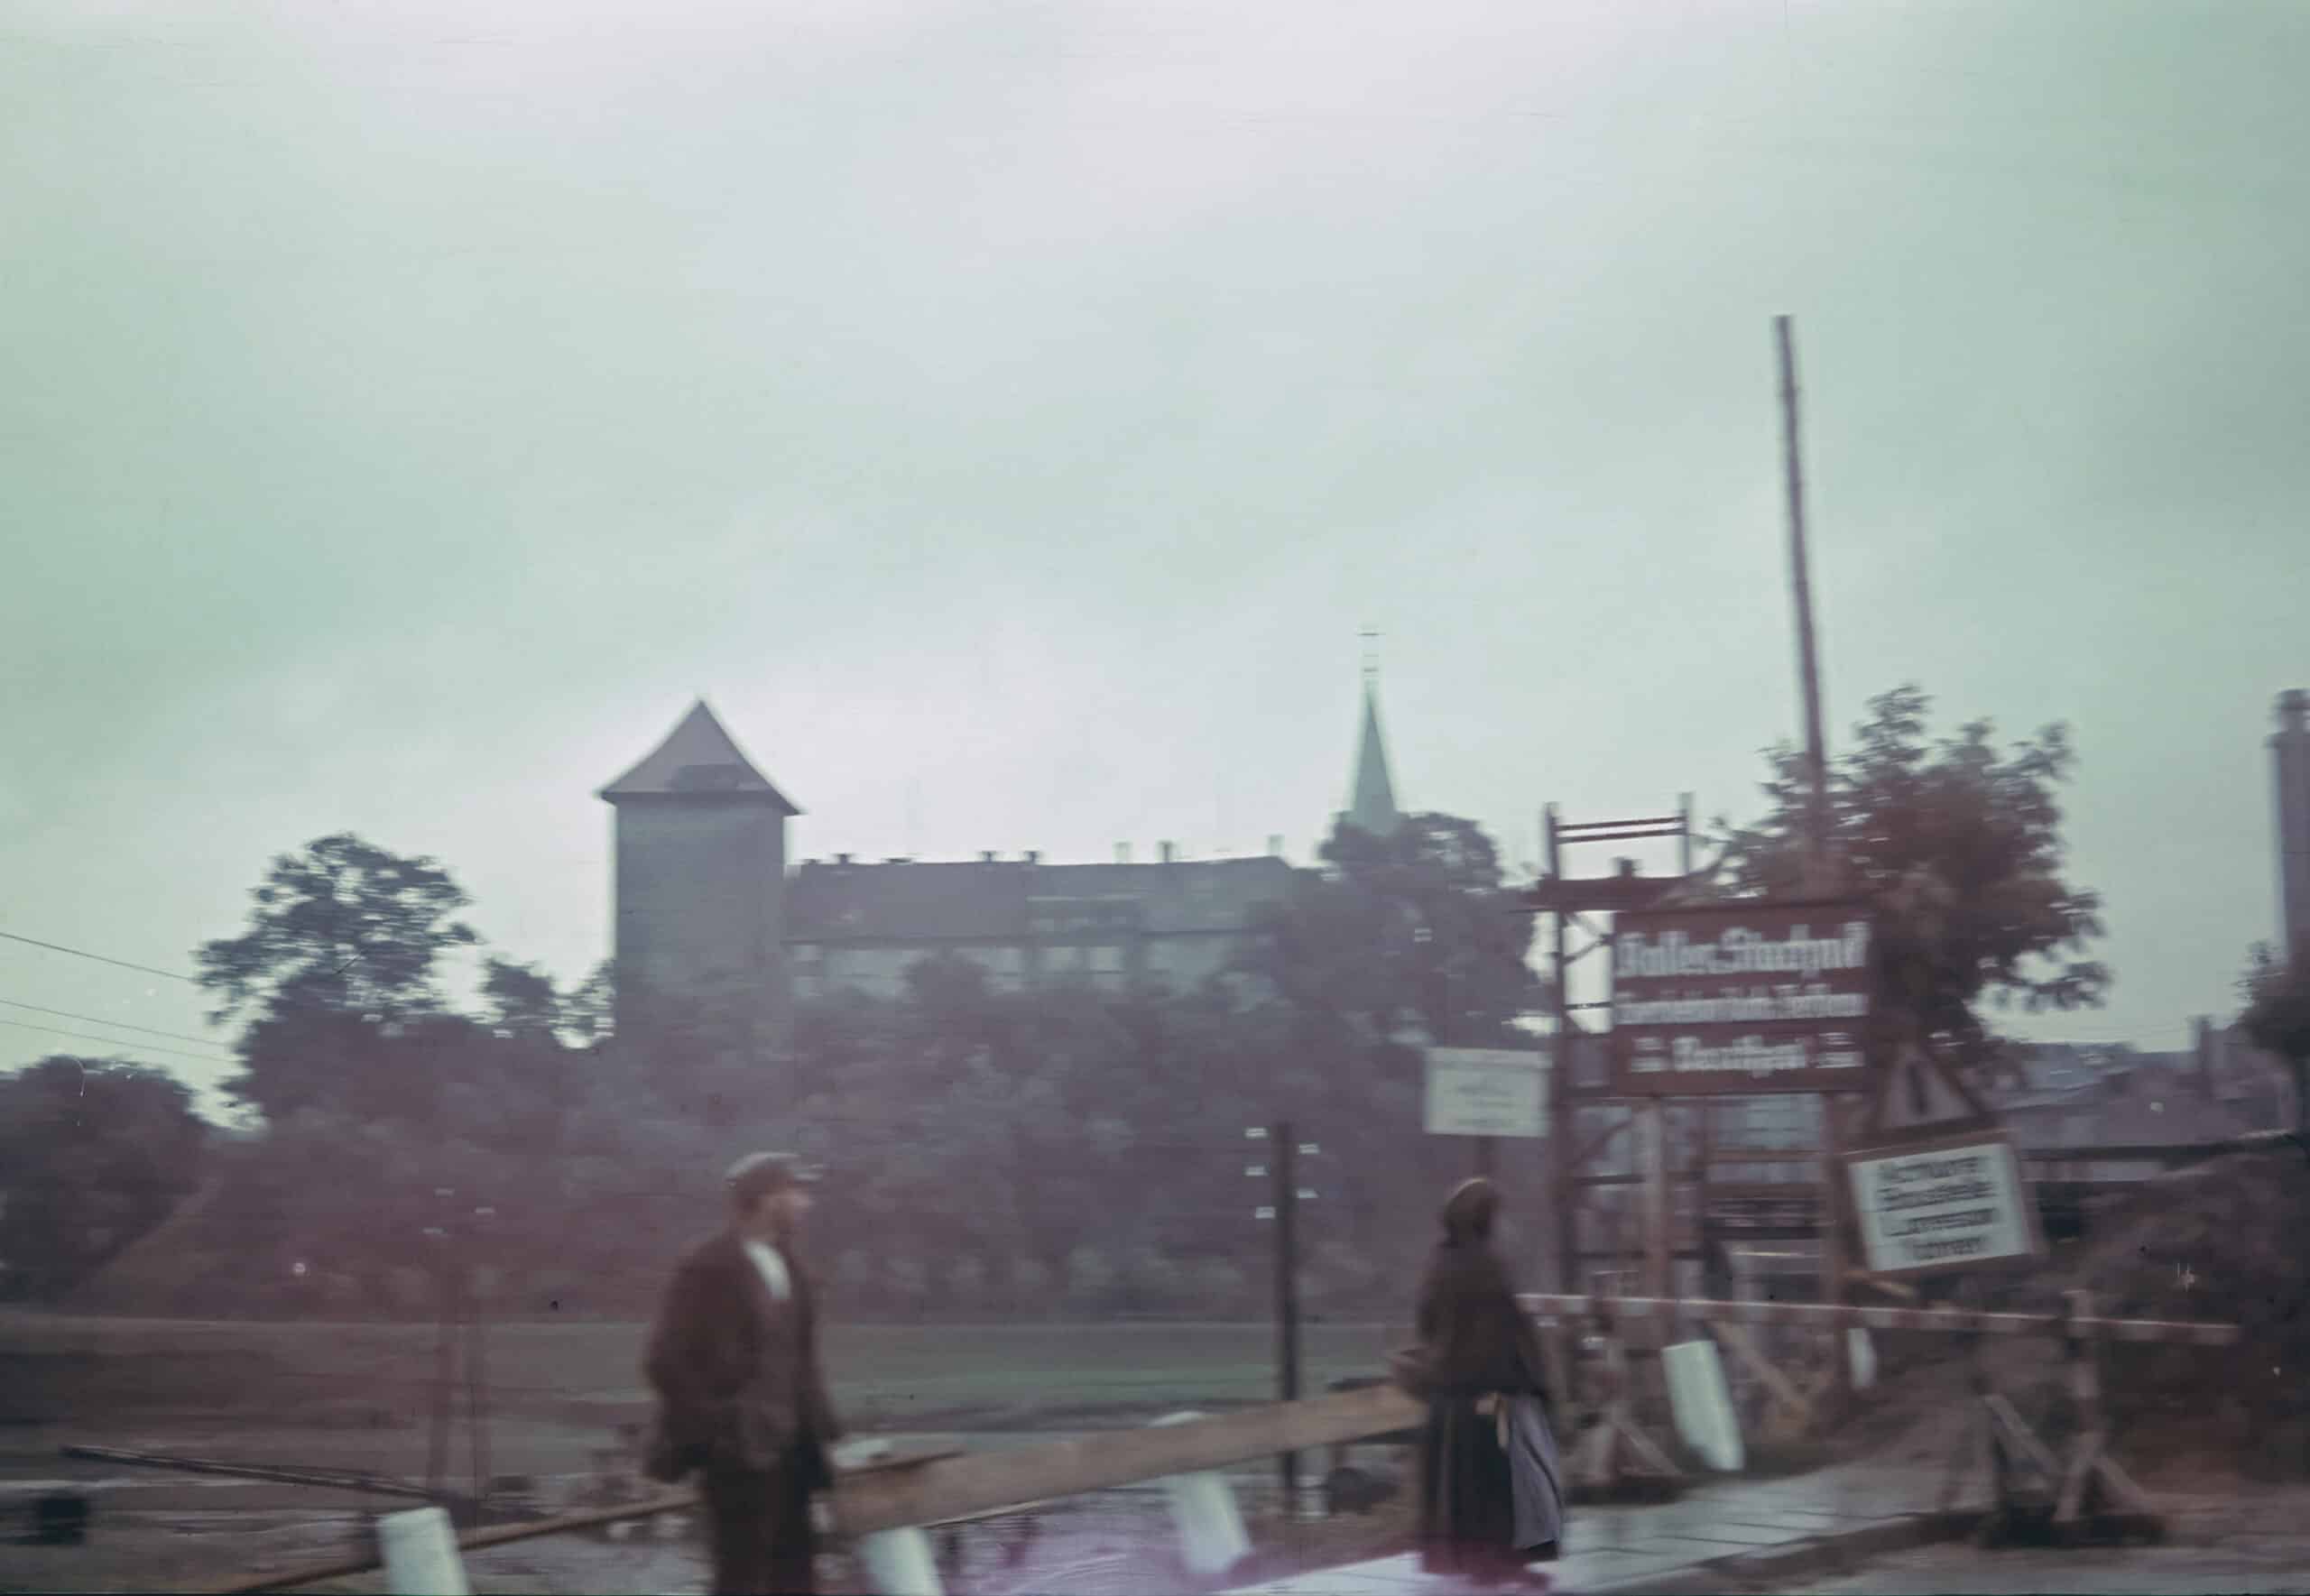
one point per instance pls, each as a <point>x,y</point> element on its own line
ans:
<point>1739,998</point>
<point>1948,1204</point>
<point>1486,1091</point>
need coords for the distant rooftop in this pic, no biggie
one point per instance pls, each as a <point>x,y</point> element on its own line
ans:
<point>697,757</point>
<point>1000,900</point>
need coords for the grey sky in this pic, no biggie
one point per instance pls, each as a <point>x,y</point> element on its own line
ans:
<point>1007,414</point>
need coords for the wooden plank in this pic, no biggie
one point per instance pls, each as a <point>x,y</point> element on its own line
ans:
<point>1965,1449</point>
<point>988,1481</point>
<point>1783,1389</point>
<point>2082,1456</point>
<point>2024,1438</point>
<point>1597,1143</point>
<point>284,1474</point>
<point>2121,1484</point>
<point>1962,1321</point>
<point>1899,1288</point>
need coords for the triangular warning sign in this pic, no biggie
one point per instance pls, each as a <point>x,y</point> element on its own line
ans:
<point>1919,1093</point>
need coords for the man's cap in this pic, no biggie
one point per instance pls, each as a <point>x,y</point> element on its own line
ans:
<point>758,1175</point>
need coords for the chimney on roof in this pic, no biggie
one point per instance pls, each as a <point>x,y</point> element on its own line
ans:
<point>1171,853</point>
<point>986,856</point>
<point>1275,845</point>
<point>1123,852</point>
<point>1034,856</point>
<point>842,858</point>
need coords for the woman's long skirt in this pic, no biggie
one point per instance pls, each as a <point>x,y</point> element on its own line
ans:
<point>1484,1510</point>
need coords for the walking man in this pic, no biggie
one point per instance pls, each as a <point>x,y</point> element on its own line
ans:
<point>734,1358</point>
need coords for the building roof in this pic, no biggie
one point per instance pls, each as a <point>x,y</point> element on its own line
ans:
<point>698,756</point>
<point>1016,901</point>
<point>1372,801</point>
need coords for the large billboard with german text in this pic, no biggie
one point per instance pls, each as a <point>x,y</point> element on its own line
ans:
<point>1740,998</point>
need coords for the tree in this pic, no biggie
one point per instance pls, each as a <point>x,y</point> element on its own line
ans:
<point>1958,851</point>
<point>2278,1019</point>
<point>93,1154</point>
<point>344,925</point>
<point>343,942</point>
<point>1417,924</point>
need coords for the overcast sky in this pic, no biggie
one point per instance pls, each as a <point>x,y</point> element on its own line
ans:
<point>1007,414</point>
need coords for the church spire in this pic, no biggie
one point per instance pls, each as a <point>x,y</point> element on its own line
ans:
<point>1372,801</point>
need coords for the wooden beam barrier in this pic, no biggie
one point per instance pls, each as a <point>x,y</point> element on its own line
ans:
<point>906,1492</point>
<point>1783,1390</point>
<point>1848,1315</point>
<point>988,1483</point>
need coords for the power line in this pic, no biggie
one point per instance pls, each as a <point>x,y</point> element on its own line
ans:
<point>101,959</point>
<point>116,1024</point>
<point>113,1041</point>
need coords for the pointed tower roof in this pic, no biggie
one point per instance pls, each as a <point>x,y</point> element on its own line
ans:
<point>697,757</point>
<point>1372,803</point>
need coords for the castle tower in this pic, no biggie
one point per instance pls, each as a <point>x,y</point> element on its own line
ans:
<point>2290,766</point>
<point>700,881</point>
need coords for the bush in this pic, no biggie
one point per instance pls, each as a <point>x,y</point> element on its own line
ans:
<point>2223,1241</point>
<point>1091,1280</point>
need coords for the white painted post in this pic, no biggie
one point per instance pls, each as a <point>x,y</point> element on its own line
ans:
<point>421,1553</point>
<point>1211,1538</point>
<point>899,1563</point>
<point>1702,1404</point>
<point>1862,1350</point>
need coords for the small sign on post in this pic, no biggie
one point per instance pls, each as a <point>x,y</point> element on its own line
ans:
<point>1487,1091</point>
<point>1948,1203</point>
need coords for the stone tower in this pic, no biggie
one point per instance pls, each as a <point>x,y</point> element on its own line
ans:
<point>700,883</point>
<point>2290,766</point>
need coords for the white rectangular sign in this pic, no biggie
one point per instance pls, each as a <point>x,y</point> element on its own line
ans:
<point>1941,1206</point>
<point>1486,1091</point>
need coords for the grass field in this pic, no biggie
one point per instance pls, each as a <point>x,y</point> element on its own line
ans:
<point>106,1373</point>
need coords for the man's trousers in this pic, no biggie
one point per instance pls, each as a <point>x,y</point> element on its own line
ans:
<point>759,1524</point>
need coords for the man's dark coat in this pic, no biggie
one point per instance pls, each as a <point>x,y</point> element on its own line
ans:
<point>736,1372</point>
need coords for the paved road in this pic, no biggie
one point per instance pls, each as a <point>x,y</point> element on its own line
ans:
<point>2225,1535</point>
<point>2267,1562</point>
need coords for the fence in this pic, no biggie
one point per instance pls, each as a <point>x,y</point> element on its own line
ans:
<point>1995,1439</point>
<point>885,1507</point>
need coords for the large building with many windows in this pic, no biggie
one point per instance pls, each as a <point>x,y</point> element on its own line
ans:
<point>707,908</point>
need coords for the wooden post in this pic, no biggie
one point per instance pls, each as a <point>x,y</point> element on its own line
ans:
<point>445,1353</point>
<point>899,1563</point>
<point>1652,1119</point>
<point>477,1379</point>
<point>1203,1514</point>
<point>419,1552</point>
<point>1833,1259</point>
<point>1284,1170</point>
<point>2085,1394</point>
<point>1560,1126</point>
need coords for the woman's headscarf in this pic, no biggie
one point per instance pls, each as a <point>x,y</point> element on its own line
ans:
<point>1469,1211</point>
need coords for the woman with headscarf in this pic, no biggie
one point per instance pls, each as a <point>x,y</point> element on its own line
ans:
<point>1490,1499</point>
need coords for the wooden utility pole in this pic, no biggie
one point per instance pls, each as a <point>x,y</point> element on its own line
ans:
<point>1284,1170</point>
<point>1817,864</point>
<point>1820,875</point>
